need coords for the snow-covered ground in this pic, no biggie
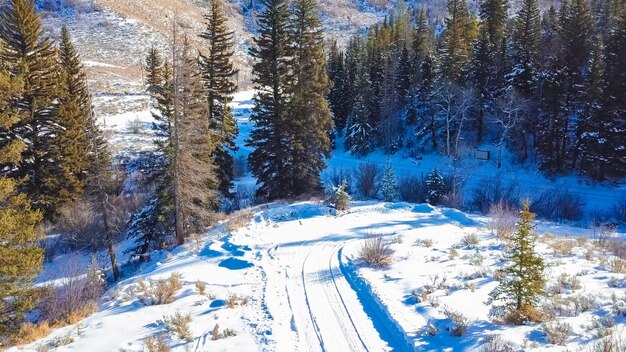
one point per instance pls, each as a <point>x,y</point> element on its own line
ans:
<point>297,265</point>
<point>303,287</point>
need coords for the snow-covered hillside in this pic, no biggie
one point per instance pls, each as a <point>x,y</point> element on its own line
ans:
<point>289,279</point>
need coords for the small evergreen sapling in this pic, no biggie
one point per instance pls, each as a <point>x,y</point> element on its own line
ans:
<point>389,186</point>
<point>436,187</point>
<point>524,281</point>
<point>342,198</point>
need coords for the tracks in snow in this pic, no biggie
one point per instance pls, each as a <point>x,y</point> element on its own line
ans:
<point>327,313</point>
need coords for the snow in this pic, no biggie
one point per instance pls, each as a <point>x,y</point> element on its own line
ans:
<point>298,266</point>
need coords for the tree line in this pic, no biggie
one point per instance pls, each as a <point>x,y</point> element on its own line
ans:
<point>546,86</point>
<point>52,152</point>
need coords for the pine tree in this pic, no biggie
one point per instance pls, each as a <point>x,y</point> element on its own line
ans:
<point>341,198</point>
<point>337,95</point>
<point>526,37</point>
<point>270,158</point>
<point>74,115</point>
<point>426,117</point>
<point>614,106</point>
<point>389,185</point>
<point>27,53</point>
<point>455,50</point>
<point>217,72</point>
<point>525,280</point>
<point>423,41</point>
<point>359,132</point>
<point>195,180</point>
<point>436,187</point>
<point>593,124</point>
<point>20,256</point>
<point>309,121</point>
<point>154,70</point>
<point>404,75</point>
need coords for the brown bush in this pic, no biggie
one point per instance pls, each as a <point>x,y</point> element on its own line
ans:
<point>239,219</point>
<point>156,344</point>
<point>235,300</point>
<point>413,189</point>
<point>178,325</point>
<point>376,252</point>
<point>155,292</point>
<point>201,287</point>
<point>563,248</point>
<point>29,332</point>
<point>618,265</point>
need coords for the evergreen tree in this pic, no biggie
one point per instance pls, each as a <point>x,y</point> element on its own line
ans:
<point>195,181</point>
<point>270,159</point>
<point>389,185</point>
<point>436,187</point>
<point>423,41</point>
<point>525,279</point>
<point>592,127</point>
<point>404,74</point>
<point>309,121</point>
<point>359,131</point>
<point>526,37</point>
<point>427,124</point>
<point>341,198</point>
<point>217,72</point>
<point>74,116</point>
<point>614,105</point>
<point>20,256</point>
<point>455,49</point>
<point>27,53</point>
<point>154,70</point>
<point>338,96</point>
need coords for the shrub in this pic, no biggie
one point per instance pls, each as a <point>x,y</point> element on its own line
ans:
<point>337,176</point>
<point>366,180</point>
<point>156,344</point>
<point>470,240</point>
<point>453,199</point>
<point>376,252</point>
<point>502,220</point>
<point>426,242</point>
<point>618,265</point>
<point>80,225</point>
<point>492,190</point>
<point>557,333</point>
<point>459,324</point>
<point>30,332</point>
<point>216,333</point>
<point>619,210</point>
<point>201,287</point>
<point>495,343</point>
<point>135,126</point>
<point>156,292</point>
<point>239,219</point>
<point>610,343</point>
<point>453,253</point>
<point>563,248</point>
<point>178,325</point>
<point>413,189</point>
<point>235,300</point>
<point>558,205</point>
<point>76,296</point>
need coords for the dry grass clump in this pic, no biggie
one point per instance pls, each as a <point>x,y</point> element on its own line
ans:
<point>557,333</point>
<point>29,332</point>
<point>155,292</point>
<point>178,325</point>
<point>618,265</point>
<point>563,248</point>
<point>239,219</point>
<point>376,252</point>
<point>502,220</point>
<point>470,240</point>
<point>235,300</point>
<point>201,287</point>
<point>156,344</point>
<point>425,242</point>
<point>459,324</point>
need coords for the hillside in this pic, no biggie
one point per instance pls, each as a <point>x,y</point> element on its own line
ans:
<point>288,278</point>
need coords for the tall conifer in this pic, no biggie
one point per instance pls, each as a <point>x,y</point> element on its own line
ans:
<point>217,73</point>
